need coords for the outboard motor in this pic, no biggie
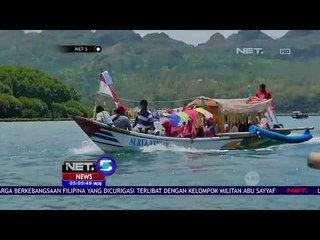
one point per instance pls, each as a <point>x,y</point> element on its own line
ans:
<point>278,125</point>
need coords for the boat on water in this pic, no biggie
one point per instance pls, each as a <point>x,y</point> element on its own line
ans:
<point>299,115</point>
<point>246,113</point>
<point>110,138</point>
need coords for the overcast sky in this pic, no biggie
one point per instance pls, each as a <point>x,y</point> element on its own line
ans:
<point>199,36</point>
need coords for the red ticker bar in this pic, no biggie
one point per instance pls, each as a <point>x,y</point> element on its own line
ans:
<point>82,176</point>
<point>158,190</point>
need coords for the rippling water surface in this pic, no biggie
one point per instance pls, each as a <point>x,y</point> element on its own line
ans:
<point>31,154</point>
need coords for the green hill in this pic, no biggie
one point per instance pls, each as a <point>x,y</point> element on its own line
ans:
<point>157,67</point>
<point>30,93</point>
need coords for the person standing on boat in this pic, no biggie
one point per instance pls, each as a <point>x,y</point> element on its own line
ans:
<point>144,119</point>
<point>102,115</point>
<point>263,93</point>
<point>120,120</point>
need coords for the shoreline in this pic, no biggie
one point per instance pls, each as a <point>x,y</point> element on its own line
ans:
<point>70,119</point>
<point>289,114</point>
<point>34,119</point>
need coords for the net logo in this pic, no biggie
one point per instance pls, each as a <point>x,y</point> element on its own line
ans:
<point>106,166</point>
<point>79,166</point>
<point>87,173</point>
<point>82,173</point>
<point>249,51</point>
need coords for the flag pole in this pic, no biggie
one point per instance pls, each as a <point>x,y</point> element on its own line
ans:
<point>95,102</point>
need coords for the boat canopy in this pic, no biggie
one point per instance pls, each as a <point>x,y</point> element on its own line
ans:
<point>209,102</point>
<point>233,106</point>
<point>241,106</point>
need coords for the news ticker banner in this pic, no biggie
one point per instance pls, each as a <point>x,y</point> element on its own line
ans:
<point>161,190</point>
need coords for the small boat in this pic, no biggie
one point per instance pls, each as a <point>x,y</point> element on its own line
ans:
<point>299,115</point>
<point>234,111</point>
<point>109,138</point>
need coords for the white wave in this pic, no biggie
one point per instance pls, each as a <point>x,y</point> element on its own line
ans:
<point>175,148</point>
<point>271,148</point>
<point>314,140</point>
<point>85,148</point>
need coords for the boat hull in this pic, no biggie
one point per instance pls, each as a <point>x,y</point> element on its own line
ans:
<point>115,139</point>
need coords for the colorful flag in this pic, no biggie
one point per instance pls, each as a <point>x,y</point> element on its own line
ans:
<point>105,87</point>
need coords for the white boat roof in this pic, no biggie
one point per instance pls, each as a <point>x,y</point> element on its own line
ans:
<point>235,105</point>
<point>228,106</point>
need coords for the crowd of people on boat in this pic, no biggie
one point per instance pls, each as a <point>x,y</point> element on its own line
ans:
<point>144,122</point>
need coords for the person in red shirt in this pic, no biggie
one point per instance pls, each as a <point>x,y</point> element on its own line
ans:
<point>169,131</point>
<point>189,131</point>
<point>263,93</point>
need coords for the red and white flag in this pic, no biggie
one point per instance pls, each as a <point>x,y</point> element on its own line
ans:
<point>105,87</point>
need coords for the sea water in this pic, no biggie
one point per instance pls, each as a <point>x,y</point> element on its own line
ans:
<point>31,154</point>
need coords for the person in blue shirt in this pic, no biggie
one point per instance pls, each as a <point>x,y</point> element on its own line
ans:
<point>144,119</point>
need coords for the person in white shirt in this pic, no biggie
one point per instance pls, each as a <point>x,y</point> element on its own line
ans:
<point>102,115</point>
<point>233,128</point>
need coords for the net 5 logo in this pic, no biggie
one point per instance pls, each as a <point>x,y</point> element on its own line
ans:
<point>106,166</point>
<point>88,173</point>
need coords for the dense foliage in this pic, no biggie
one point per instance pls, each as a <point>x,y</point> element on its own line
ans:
<point>157,67</point>
<point>29,93</point>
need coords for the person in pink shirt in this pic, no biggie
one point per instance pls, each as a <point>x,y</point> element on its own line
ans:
<point>189,131</point>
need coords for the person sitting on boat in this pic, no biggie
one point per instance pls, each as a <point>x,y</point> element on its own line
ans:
<point>102,115</point>
<point>170,111</point>
<point>120,120</point>
<point>185,108</point>
<point>169,131</point>
<point>200,131</point>
<point>144,119</point>
<point>189,131</point>
<point>233,128</point>
<point>210,130</point>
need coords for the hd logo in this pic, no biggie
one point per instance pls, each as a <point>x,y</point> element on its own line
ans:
<point>88,173</point>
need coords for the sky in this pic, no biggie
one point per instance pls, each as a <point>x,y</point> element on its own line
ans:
<point>198,36</point>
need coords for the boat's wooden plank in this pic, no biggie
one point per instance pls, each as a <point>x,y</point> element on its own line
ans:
<point>234,134</point>
<point>292,129</point>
